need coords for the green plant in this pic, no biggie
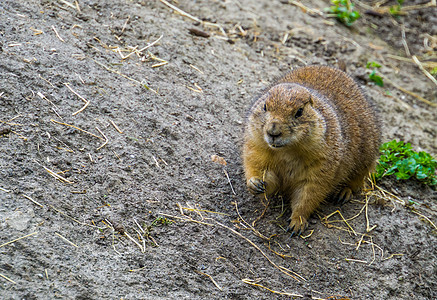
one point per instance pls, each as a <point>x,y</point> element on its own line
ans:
<point>399,159</point>
<point>373,76</point>
<point>433,72</point>
<point>161,221</point>
<point>344,11</point>
<point>396,9</point>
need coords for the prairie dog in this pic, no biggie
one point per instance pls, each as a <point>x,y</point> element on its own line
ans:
<point>311,135</point>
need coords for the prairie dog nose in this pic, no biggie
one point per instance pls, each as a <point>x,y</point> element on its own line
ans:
<point>274,129</point>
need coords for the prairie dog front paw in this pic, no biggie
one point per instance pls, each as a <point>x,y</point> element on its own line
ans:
<point>269,184</point>
<point>256,185</point>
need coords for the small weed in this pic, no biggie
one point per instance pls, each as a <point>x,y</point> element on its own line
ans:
<point>434,72</point>
<point>373,76</point>
<point>148,229</point>
<point>158,221</point>
<point>372,64</point>
<point>133,138</point>
<point>343,11</point>
<point>399,159</point>
<point>396,9</point>
<point>161,221</point>
<point>376,78</point>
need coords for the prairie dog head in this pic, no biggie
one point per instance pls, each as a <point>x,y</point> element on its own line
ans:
<point>285,116</point>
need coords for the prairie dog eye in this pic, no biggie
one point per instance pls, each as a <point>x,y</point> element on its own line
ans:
<point>299,113</point>
<point>265,107</point>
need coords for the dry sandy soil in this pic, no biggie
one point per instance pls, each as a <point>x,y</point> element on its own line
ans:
<point>121,199</point>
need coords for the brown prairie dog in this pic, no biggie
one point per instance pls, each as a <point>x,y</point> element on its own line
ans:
<point>311,135</point>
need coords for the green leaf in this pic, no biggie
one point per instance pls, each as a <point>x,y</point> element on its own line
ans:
<point>400,175</point>
<point>400,160</point>
<point>372,64</point>
<point>343,10</point>
<point>376,78</point>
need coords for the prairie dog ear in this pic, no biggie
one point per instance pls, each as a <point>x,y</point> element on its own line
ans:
<point>310,100</point>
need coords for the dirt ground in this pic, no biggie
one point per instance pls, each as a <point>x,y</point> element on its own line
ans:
<point>110,112</point>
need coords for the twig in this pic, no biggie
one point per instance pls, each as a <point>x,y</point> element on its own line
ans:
<point>37,203</point>
<point>180,209</point>
<point>368,228</point>
<point>124,26</point>
<point>308,235</point>
<point>106,139</point>
<point>398,200</point>
<point>373,251</point>
<point>204,210</point>
<point>212,279</point>
<point>139,269</point>
<point>138,52</point>
<point>156,162</point>
<point>344,220</point>
<point>20,238</point>
<point>125,76</point>
<point>187,219</point>
<point>150,45</point>
<point>153,240</point>
<point>67,3</point>
<point>77,6</point>
<point>7,278</point>
<point>425,217</point>
<point>141,238</point>
<point>46,81</point>
<point>115,126</point>
<point>162,62</point>
<point>73,219</point>
<point>200,91</point>
<point>110,226</point>
<point>393,255</point>
<point>291,271</point>
<point>141,229</point>
<point>57,176</point>
<point>54,29</point>
<point>185,14</point>
<point>71,243</point>
<point>87,132</point>
<point>259,234</point>
<point>196,68</point>
<point>266,206</point>
<point>429,64</point>
<point>404,41</point>
<point>80,97</point>
<point>230,183</point>
<point>416,61</point>
<point>356,260</point>
<point>181,12</point>
<point>259,249</point>
<point>41,95</point>
<point>19,135</point>
<point>133,240</point>
<point>10,120</point>
<point>404,9</point>
<point>4,190</point>
<point>410,93</point>
<point>252,282</point>
<point>427,74</point>
<point>431,3</point>
<point>306,9</point>
<point>197,211</point>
